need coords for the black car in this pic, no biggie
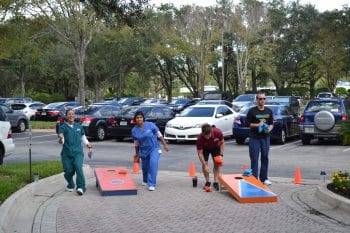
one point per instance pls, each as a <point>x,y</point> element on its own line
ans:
<point>52,111</point>
<point>94,118</point>
<point>180,104</point>
<point>120,127</point>
<point>285,125</point>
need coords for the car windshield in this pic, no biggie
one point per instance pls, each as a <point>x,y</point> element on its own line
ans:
<point>130,112</point>
<point>90,110</point>
<point>316,106</point>
<point>150,101</point>
<point>245,98</point>
<point>124,101</point>
<point>54,105</point>
<point>212,96</point>
<point>198,112</point>
<point>179,101</point>
<point>281,99</point>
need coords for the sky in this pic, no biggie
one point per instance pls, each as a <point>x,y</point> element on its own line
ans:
<point>321,5</point>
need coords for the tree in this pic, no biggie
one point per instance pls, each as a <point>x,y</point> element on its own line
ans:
<point>75,23</point>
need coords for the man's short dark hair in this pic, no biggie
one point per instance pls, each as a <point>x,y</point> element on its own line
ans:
<point>206,129</point>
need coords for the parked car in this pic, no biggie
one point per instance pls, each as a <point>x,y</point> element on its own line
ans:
<point>54,110</point>
<point>121,125</point>
<point>6,143</point>
<point>130,101</point>
<point>225,102</point>
<point>285,125</point>
<point>28,109</point>
<point>326,95</point>
<point>154,102</point>
<point>94,118</point>
<point>320,118</point>
<point>187,125</point>
<point>14,100</point>
<point>243,100</point>
<point>18,120</point>
<point>218,95</point>
<point>290,101</point>
<point>180,104</point>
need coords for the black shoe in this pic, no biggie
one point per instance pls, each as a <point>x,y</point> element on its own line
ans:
<point>216,186</point>
<point>207,184</point>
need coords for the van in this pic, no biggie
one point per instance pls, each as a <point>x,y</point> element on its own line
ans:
<point>218,95</point>
<point>290,101</point>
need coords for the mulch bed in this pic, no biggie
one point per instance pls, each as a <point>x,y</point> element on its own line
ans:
<point>345,194</point>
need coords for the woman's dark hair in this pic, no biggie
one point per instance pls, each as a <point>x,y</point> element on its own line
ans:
<point>68,110</point>
<point>139,113</point>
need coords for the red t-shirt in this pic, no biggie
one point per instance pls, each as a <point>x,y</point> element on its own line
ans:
<point>213,142</point>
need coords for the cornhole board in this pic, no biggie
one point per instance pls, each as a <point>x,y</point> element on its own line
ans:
<point>112,181</point>
<point>246,189</point>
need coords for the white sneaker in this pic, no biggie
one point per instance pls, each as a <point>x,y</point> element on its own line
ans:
<point>143,183</point>
<point>267,182</point>
<point>80,191</point>
<point>69,189</point>
<point>151,188</point>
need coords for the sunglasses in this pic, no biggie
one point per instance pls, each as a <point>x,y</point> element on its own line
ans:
<point>262,98</point>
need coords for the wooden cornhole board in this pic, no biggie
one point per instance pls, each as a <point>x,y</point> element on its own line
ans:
<point>114,181</point>
<point>246,189</point>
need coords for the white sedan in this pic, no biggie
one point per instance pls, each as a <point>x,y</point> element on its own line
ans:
<point>187,125</point>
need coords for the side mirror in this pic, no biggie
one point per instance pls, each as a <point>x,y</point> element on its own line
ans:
<point>219,115</point>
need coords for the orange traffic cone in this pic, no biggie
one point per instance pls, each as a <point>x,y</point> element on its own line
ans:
<point>297,176</point>
<point>192,171</point>
<point>244,167</point>
<point>136,168</point>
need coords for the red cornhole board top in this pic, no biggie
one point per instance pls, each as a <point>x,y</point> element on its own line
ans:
<point>247,189</point>
<point>114,181</point>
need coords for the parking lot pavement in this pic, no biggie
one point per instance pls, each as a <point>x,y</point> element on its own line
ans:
<point>174,207</point>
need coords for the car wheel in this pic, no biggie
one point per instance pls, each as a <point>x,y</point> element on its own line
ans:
<point>101,133</point>
<point>282,138</point>
<point>240,141</point>
<point>305,140</point>
<point>2,154</point>
<point>324,120</point>
<point>21,126</point>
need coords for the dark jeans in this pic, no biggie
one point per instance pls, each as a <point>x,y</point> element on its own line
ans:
<point>255,147</point>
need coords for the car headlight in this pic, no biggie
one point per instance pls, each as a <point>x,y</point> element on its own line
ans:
<point>197,126</point>
<point>169,125</point>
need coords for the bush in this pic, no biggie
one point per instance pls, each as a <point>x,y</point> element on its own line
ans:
<point>341,182</point>
<point>344,131</point>
<point>47,98</point>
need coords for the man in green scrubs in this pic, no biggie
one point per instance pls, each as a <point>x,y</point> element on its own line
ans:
<point>72,135</point>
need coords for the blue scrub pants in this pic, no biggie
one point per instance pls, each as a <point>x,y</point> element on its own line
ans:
<point>150,168</point>
<point>255,147</point>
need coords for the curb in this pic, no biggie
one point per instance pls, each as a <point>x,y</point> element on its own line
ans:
<point>17,207</point>
<point>334,200</point>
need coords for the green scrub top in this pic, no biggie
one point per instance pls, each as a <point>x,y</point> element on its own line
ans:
<point>72,139</point>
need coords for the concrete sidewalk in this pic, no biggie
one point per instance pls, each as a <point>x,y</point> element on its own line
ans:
<point>174,207</point>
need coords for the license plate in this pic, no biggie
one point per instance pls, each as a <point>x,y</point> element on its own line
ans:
<point>123,123</point>
<point>309,130</point>
<point>43,113</point>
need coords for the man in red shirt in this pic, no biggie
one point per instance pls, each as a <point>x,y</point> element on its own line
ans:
<point>210,141</point>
